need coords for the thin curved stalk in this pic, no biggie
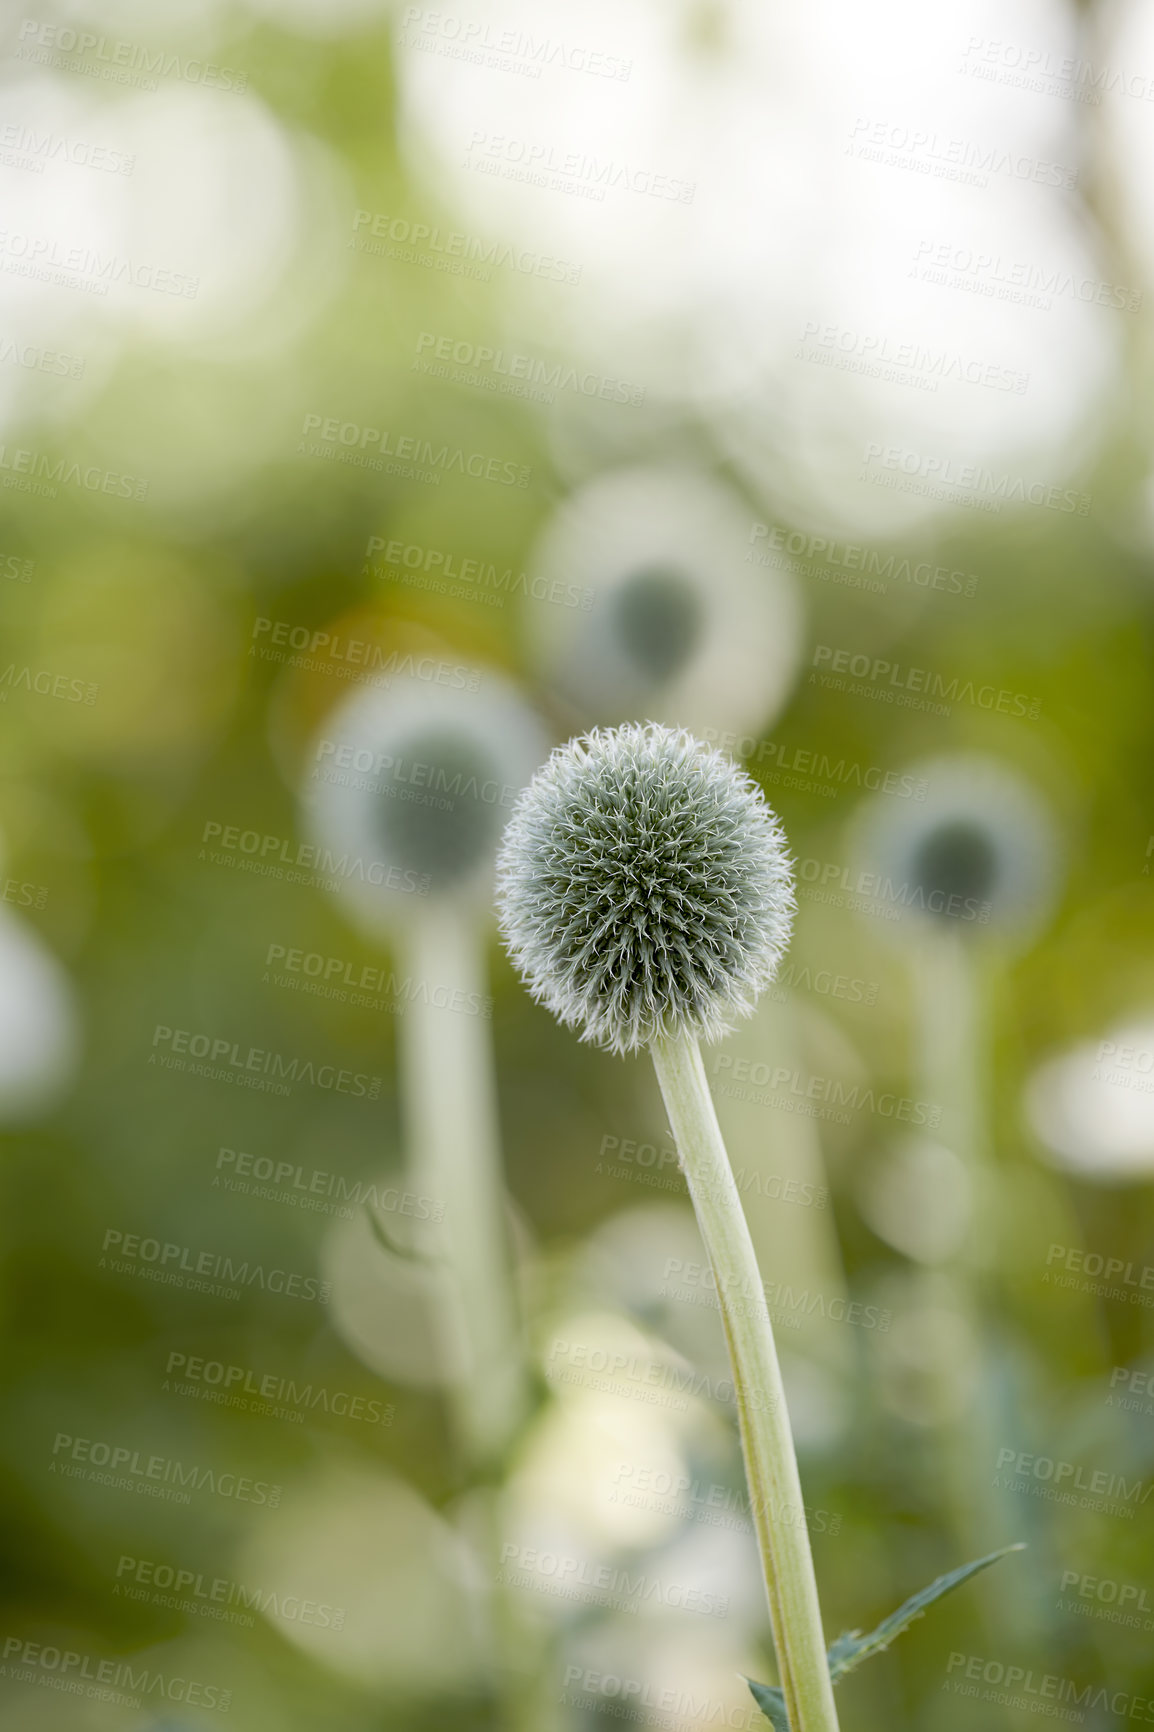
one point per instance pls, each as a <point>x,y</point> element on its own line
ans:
<point>767,1441</point>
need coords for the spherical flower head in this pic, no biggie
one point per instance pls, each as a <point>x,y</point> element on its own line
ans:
<point>977,853</point>
<point>675,621</point>
<point>413,784</point>
<point>644,888</point>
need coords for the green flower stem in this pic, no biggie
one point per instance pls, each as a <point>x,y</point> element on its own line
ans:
<point>953,1073</point>
<point>454,1151</point>
<point>767,1442</point>
<point>952,1069</point>
<point>449,1105</point>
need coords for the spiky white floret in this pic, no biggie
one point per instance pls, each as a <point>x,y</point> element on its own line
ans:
<point>644,887</point>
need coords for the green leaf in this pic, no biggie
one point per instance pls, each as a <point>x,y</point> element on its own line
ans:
<point>771,1701</point>
<point>852,1648</point>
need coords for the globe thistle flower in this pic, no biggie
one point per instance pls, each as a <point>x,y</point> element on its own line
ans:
<point>416,782</point>
<point>970,870</point>
<point>644,893</point>
<point>978,853</point>
<point>678,624</point>
<point>420,779</point>
<point>918,1197</point>
<point>1092,1106</point>
<point>39,1026</point>
<point>644,888</point>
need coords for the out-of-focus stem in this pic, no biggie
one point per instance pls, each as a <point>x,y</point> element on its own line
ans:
<point>767,1442</point>
<point>450,1112</point>
<point>449,1108</point>
<point>953,1072</point>
<point>796,1239</point>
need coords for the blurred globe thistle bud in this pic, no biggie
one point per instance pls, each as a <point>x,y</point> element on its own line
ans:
<point>417,782</point>
<point>644,887</point>
<point>918,1197</point>
<point>39,1025</point>
<point>39,1030</point>
<point>660,611</point>
<point>979,853</point>
<point>1092,1107</point>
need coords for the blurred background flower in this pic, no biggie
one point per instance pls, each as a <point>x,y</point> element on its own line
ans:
<point>780,374</point>
<point>674,625</point>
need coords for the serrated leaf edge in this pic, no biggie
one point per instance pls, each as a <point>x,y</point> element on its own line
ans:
<point>842,1658</point>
